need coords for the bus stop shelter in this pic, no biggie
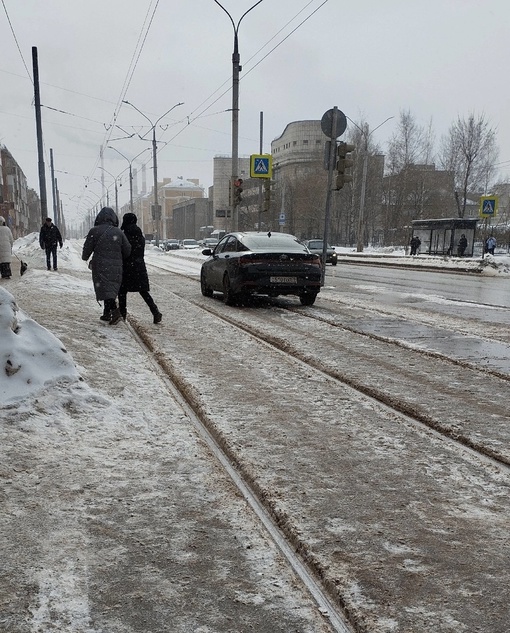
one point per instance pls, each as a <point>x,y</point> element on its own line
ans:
<point>441,236</point>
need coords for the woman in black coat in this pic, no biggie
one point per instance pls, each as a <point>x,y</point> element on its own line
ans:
<point>134,274</point>
<point>108,246</point>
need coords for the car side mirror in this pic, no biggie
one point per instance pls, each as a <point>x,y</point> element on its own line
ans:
<point>207,251</point>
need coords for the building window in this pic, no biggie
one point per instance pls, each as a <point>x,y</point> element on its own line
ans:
<point>305,142</point>
<point>294,142</point>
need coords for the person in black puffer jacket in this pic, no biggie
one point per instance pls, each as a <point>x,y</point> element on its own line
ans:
<point>134,274</point>
<point>109,247</point>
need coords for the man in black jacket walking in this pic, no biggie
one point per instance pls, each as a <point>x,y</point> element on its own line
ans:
<point>49,237</point>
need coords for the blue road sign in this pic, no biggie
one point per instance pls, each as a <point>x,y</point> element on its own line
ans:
<point>261,166</point>
<point>488,206</point>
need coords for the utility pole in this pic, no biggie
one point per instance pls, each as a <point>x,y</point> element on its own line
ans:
<point>40,149</point>
<point>53,185</point>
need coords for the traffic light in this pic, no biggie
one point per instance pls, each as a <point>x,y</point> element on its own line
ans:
<point>237,191</point>
<point>344,161</point>
<point>267,194</point>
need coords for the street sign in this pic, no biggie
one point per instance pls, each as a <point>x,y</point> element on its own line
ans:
<point>327,123</point>
<point>488,206</point>
<point>261,166</point>
<point>281,219</point>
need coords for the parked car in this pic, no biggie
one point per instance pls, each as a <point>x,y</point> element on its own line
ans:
<point>316,246</point>
<point>171,245</point>
<point>209,242</point>
<point>273,264</point>
<point>188,244</point>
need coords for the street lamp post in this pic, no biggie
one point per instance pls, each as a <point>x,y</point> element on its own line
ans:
<point>116,190</point>
<point>361,219</point>
<point>157,212</point>
<point>130,172</point>
<point>236,69</point>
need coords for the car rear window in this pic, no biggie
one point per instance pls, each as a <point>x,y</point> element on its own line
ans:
<point>277,241</point>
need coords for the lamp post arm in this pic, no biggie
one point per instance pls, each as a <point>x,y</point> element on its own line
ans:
<point>144,115</point>
<point>167,112</point>
<point>245,13</point>
<point>230,17</point>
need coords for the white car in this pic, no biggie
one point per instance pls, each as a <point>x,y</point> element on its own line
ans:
<point>188,244</point>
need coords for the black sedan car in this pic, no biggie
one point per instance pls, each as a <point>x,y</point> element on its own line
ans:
<point>273,264</point>
<point>316,246</point>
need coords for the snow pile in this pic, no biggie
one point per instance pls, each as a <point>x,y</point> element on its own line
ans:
<point>31,357</point>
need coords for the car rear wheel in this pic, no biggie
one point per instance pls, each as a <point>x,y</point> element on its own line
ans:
<point>308,298</point>
<point>206,291</point>
<point>229,297</point>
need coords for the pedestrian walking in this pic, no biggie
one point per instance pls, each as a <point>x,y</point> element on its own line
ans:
<point>462,245</point>
<point>49,238</point>
<point>6,242</point>
<point>134,276</point>
<point>490,244</point>
<point>108,246</point>
<point>415,244</point>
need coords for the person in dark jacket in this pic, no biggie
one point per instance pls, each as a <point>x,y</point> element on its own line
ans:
<point>49,237</point>
<point>134,276</point>
<point>415,245</point>
<point>462,245</point>
<point>109,247</point>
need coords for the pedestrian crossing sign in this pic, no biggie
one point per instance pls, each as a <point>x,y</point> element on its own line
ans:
<point>261,166</point>
<point>488,206</point>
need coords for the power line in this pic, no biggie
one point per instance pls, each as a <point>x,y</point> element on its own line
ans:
<point>16,40</point>
<point>129,76</point>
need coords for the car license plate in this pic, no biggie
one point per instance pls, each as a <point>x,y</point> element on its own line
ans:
<point>283,280</point>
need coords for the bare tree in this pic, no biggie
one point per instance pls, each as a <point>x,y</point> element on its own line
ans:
<point>405,192</point>
<point>469,150</point>
<point>408,145</point>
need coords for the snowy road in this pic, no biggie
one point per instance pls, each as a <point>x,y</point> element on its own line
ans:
<point>368,447</point>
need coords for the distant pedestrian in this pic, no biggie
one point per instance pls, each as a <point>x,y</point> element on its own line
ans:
<point>109,247</point>
<point>415,244</point>
<point>462,245</point>
<point>135,277</point>
<point>6,242</point>
<point>490,244</point>
<point>49,237</point>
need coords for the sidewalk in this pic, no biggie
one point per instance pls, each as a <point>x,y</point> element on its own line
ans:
<point>115,516</point>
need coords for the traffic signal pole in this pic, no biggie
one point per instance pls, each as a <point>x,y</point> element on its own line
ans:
<point>331,168</point>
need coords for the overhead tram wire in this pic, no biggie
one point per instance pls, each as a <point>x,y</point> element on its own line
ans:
<point>17,43</point>
<point>285,38</point>
<point>142,38</point>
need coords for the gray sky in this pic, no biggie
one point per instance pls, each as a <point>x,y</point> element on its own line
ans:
<point>372,59</point>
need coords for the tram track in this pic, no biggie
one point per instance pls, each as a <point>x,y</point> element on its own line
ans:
<point>397,405</point>
<point>184,397</point>
<point>368,389</point>
<point>238,427</point>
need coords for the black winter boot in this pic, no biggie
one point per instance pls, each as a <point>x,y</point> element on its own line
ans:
<point>116,316</point>
<point>106,316</point>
